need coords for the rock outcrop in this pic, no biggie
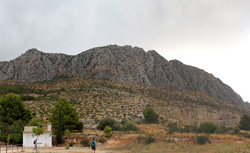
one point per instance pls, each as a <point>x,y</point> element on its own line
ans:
<point>119,64</point>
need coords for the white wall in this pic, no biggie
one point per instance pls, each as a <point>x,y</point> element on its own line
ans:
<point>44,140</point>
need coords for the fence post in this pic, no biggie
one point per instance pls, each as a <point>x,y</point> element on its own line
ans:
<point>6,148</point>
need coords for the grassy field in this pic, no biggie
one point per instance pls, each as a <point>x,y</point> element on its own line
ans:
<point>219,143</point>
<point>186,148</point>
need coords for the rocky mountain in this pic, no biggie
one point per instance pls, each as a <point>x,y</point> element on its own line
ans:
<point>119,64</point>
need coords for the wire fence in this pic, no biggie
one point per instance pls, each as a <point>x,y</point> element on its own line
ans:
<point>11,148</point>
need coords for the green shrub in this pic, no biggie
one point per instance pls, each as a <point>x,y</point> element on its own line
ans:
<point>140,139</point>
<point>145,140</point>
<point>202,139</point>
<point>71,144</point>
<point>108,135</point>
<point>208,127</point>
<point>107,129</point>
<point>85,142</point>
<point>128,126</point>
<point>188,129</point>
<point>149,139</point>
<point>245,122</point>
<point>150,116</point>
<point>219,130</point>
<point>123,121</point>
<point>102,140</point>
<point>67,146</point>
<point>173,128</point>
<point>108,122</point>
<point>236,130</point>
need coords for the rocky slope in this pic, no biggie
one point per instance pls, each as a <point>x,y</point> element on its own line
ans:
<point>118,64</point>
<point>95,99</point>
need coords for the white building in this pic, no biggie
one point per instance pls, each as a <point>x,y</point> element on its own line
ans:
<point>44,140</point>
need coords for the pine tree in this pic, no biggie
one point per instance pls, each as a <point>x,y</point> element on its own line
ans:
<point>150,116</point>
<point>13,109</point>
<point>64,116</point>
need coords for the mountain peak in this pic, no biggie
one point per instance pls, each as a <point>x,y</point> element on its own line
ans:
<point>122,64</point>
<point>33,51</point>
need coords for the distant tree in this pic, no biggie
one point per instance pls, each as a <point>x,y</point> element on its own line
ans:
<point>13,109</point>
<point>245,122</point>
<point>63,117</point>
<point>208,127</point>
<point>150,116</point>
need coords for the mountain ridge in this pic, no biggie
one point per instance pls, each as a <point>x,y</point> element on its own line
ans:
<point>122,64</point>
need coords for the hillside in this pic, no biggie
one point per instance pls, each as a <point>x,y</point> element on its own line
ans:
<point>98,98</point>
<point>122,65</point>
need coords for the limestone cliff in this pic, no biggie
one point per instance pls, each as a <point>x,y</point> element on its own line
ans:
<point>118,64</point>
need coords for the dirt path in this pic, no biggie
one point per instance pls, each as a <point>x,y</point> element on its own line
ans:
<point>62,150</point>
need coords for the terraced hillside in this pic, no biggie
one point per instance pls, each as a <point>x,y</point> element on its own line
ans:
<point>98,98</point>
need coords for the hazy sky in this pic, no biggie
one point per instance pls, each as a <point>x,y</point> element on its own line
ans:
<point>213,35</point>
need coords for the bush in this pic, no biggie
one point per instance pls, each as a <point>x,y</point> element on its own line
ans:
<point>108,135</point>
<point>107,129</point>
<point>150,116</point>
<point>207,127</point>
<point>67,146</point>
<point>188,129</point>
<point>102,140</point>
<point>173,128</point>
<point>128,126</point>
<point>85,142</point>
<point>123,121</point>
<point>236,130</point>
<point>108,122</point>
<point>202,139</point>
<point>145,140</point>
<point>149,139</point>
<point>140,139</point>
<point>245,122</point>
<point>71,144</point>
<point>219,130</point>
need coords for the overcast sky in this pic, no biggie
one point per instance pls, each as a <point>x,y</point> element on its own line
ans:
<point>213,35</point>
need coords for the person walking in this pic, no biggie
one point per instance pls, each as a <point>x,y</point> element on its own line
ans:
<point>93,145</point>
<point>35,143</point>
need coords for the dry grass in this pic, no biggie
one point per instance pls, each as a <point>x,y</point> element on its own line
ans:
<point>186,148</point>
<point>219,144</point>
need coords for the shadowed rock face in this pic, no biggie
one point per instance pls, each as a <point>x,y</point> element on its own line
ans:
<point>119,64</point>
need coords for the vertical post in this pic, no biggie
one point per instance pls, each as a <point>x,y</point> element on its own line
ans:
<point>6,148</point>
